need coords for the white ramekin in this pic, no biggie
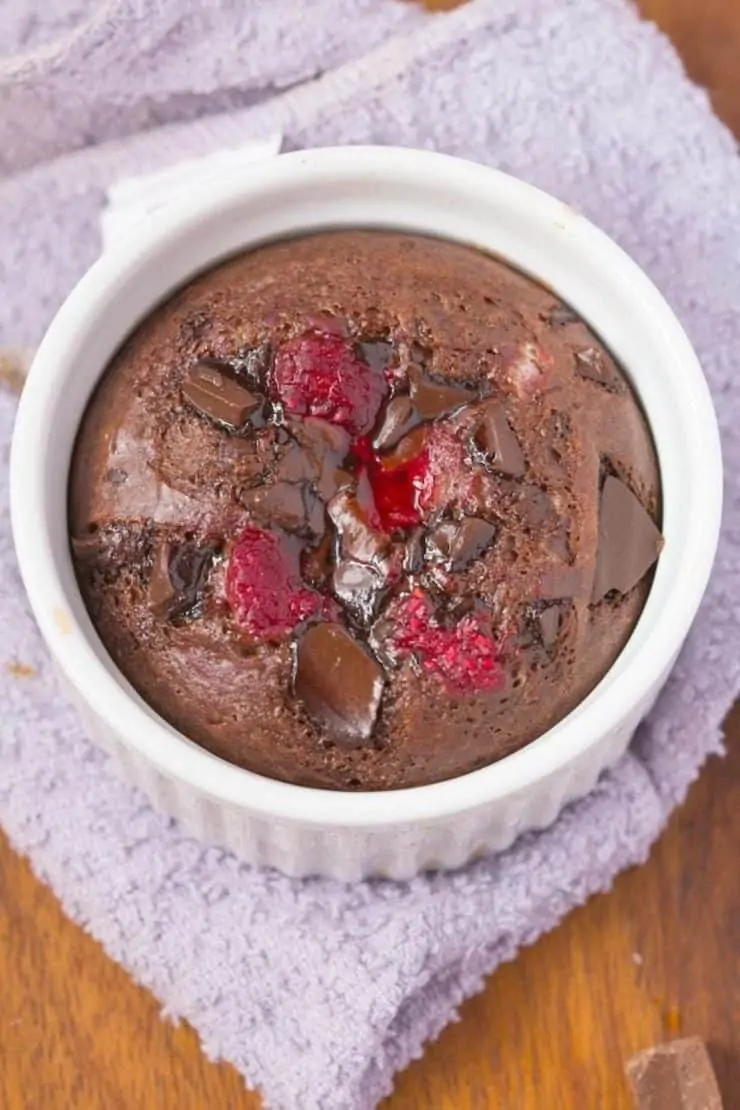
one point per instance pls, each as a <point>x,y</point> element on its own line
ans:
<point>394,833</point>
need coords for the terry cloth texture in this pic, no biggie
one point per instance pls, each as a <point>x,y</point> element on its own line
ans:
<point>319,992</point>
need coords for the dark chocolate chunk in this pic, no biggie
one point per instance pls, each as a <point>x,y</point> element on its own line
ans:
<point>339,683</point>
<point>674,1076</point>
<point>438,543</point>
<point>560,315</point>
<point>398,418</point>
<point>496,440</point>
<point>377,353</point>
<point>218,396</point>
<point>318,437</point>
<point>593,364</point>
<point>360,588</point>
<point>161,589</point>
<point>296,466</point>
<point>432,399</point>
<point>366,558</point>
<point>316,562</point>
<point>325,447</point>
<point>458,543</point>
<point>283,504</point>
<point>629,540</point>
<point>413,552</point>
<point>358,540</point>
<point>189,566</point>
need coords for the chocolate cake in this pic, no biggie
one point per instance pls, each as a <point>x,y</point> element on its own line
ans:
<point>364,510</point>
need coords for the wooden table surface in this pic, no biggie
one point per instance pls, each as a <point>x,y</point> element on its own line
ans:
<point>655,957</point>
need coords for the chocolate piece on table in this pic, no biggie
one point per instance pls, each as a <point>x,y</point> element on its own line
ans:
<point>215,394</point>
<point>161,590</point>
<point>674,1076</point>
<point>432,399</point>
<point>398,418</point>
<point>458,543</point>
<point>629,540</point>
<point>495,438</point>
<point>593,365</point>
<point>339,683</point>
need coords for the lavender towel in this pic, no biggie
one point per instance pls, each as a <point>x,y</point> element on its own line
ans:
<point>318,992</point>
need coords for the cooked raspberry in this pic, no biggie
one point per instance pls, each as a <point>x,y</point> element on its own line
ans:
<point>465,655</point>
<point>397,491</point>
<point>397,480</point>
<point>264,587</point>
<point>322,374</point>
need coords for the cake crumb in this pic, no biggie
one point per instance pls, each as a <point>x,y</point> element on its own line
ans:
<point>62,621</point>
<point>14,364</point>
<point>20,670</point>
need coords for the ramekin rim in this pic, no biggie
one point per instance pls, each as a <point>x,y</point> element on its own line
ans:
<point>179,757</point>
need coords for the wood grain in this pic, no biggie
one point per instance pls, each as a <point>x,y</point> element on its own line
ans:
<point>656,956</point>
<point>707,35</point>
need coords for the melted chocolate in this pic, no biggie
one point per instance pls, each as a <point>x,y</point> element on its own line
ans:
<point>208,389</point>
<point>495,439</point>
<point>629,540</point>
<point>338,682</point>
